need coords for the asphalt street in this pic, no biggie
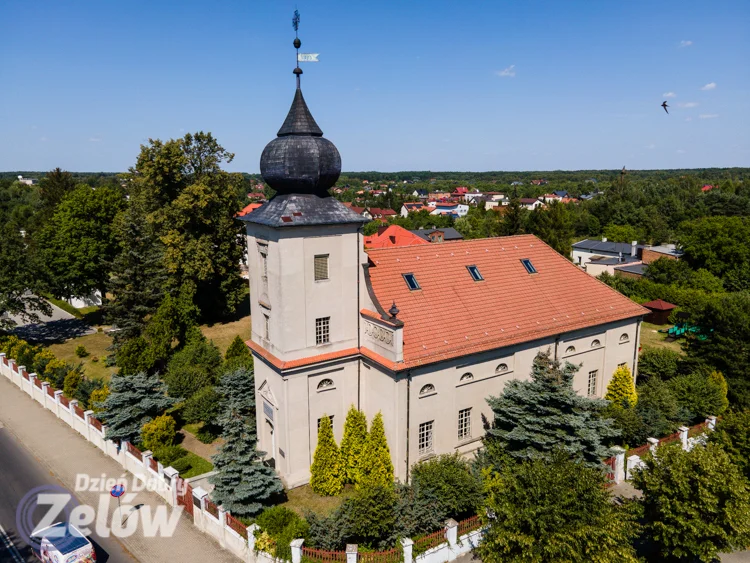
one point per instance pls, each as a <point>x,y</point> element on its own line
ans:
<point>20,472</point>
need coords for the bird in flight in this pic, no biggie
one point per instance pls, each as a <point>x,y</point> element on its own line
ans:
<point>665,106</point>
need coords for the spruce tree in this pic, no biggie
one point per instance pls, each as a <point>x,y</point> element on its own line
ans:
<point>512,223</point>
<point>621,390</point>
<point>239,384</point>
<point>375,464</point>
<point>243,483</point>
<point>326,472</point>
<point>133,401</point>
<point>238,355</point>
<point>353,442</point>
<point>534,418</point>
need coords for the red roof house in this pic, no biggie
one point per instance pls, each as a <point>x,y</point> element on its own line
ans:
<point>393,235</point>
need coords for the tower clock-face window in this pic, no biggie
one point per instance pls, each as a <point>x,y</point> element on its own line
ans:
<point>321,267</point>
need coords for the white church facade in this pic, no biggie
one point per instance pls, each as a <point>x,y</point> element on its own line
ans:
<point>422,334</point>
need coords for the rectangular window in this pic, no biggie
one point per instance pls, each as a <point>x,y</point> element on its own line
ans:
<point>329,418</point>
<point>474,271</point>
<point>266,326</point>
<point>321,267</point>
<point>464,424</point>
<point>322,330</point>
<point>425,438</point>
<point>411,281</point>
<point>592,382</point>
<point>263,250</point>
<point>528,265</point>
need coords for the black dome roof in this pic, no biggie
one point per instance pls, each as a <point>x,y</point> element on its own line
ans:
<point>300,160</point>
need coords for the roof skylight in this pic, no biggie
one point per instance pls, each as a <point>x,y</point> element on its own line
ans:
<point>528,265</point>
<point>411,282</point>
<point>474,271</point>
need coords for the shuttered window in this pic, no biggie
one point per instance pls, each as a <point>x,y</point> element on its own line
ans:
<point>321,267</point>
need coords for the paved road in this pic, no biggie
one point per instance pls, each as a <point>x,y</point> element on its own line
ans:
<point>19,473</point>
<point>55,328</point>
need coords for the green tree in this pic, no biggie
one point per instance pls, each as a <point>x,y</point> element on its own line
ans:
<point>622,233</point>
<point>658,409</point>
<point>448,479</point>
<point>352,444</point>
<point>554,225</point>
<point>52,190</point>
<point>135,355</point>
<point>621,389</point>
<point>238,355</point>
<point>375,464</point>
<point>203,406</point>
<point>190,202</point>
<point>158,433</point>
<point>243,484</point>
<point>661,363</point>
<point>699,521</point>
<point>78,243</point>
<point>699,396</point>
<point>19,280</point>
<point>514,217</point>
<point>326,471</point>
<point>732,433</point>
<point>239,384</point>
<point>534,418</point>
<point>72,381</point>
<point>553,510</point>
<point>194,367</point>
<point>133,401</point>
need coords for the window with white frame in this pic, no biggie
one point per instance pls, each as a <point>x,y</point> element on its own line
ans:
<point>592,382</point>
<point>464,424</point>
<point>321,267</point>
<point>570,350</point>
<point>322,330</point>
<point>325,384</point>
<point>467,376</point>
<point>266,327</point>
<point>624,337</point>
<point>595,344</point>
<point>425,437</point>
<point>427,389</point>
<point>501,368</point>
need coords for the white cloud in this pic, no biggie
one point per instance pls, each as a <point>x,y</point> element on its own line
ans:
<point>44,139</point>
<point>708,116</point>
<point>95,140</point>
<point>651,146</point>
<point>709,86</point>
<point>680,151</point>
<point>685,43</point>
<point>688,119</point>
<point>510,71</point>
<point>669,95</point>
<point>687,105</point>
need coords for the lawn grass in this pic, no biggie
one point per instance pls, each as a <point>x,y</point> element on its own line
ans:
<point>651,338</point>
<point>198,466</point>
<point>303,499</point>
<point>64,305</point>
<point>96,344</point>
<point>222,334</point>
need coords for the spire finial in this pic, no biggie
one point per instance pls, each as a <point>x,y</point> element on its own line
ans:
<point>297,44</point>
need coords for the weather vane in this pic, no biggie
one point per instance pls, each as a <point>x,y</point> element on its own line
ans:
<point>301,57</point>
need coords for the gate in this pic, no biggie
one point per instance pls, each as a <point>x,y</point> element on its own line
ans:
<point>185,495</point>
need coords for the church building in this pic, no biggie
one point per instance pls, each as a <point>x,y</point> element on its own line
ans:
<point>422,333</point>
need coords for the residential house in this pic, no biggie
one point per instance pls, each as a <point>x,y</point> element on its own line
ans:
<point>28,181</point>
<point>392,235</point>
<point>585,250</point>
<point>561,193</point>
<point>382,214</point>
<point>456,209</point>
<point>530,202</point>
<point>448,234</point>
<point>652,253</point>
<point>708,188</point>
<point>421,193</point>
<point>411,207</point>
<point>248,209</point>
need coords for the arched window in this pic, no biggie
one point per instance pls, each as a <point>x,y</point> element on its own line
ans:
<point>596,344</point>
<point>570,350</point>
<point>624,337</point>
<point>325,384</point>
<point>467,377</point>
<point>501,368</point>
<point>429,388</point>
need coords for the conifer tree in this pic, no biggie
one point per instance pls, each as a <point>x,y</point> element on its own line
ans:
<point>533,418</point>
<point>353,442</point>
<point>133,401</point>
<point>238,355</point>
<point>326,472</point>
<point>513,219</point>
<point>375,464</point>
<point>243,483</point>
<point>621,390</point>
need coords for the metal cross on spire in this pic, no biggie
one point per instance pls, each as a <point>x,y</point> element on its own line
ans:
<point>297,44</point>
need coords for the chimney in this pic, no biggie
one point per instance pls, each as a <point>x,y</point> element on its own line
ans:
<point>634,248</point>
<point>382,229</point>
<point>604,239</point>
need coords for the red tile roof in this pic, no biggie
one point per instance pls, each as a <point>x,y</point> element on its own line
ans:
<point>379,211</point>
<point>248,208</point>
<point>659,305</point>
<point>393,236</point>
<point>452,315</point>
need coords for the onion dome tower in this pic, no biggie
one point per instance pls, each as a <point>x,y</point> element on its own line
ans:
<point>301,165</point>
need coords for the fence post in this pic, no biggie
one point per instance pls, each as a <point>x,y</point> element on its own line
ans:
<point>72,408</point>
<point>711,422</point>
<point>684,436</point>
<point>32,379</point>
<point>653,443</point>
<point>351,554</point>
<point>222,526</point>
<point>58,394</point>
<point>171,473</point>
<point>251,529</point>
<point>408,545</point>
<point>634,462</point>
<point>2,363</point>
<point>451,534</point>
<point>87,420</point>
<point>123,453</point>
<point>146,458</point>
<point>619,464</point>
<point>296,546</point>
<point>199,506</point>
<point>45,393</point>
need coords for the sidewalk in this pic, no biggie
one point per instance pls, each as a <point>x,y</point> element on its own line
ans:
<point>64,453</point>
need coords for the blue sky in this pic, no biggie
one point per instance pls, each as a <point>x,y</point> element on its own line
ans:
<point>401,85</point>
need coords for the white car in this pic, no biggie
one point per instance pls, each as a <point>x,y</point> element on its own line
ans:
<point>63,543</point>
